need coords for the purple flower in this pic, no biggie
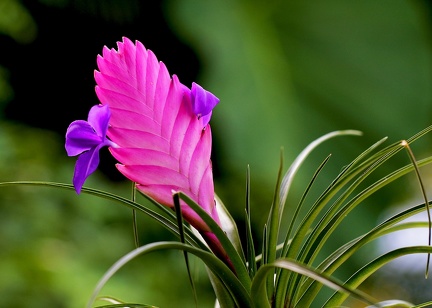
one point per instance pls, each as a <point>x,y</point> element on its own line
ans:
<point>203,102</point>
<point>86,138</point>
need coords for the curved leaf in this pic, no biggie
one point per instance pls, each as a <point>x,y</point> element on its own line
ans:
<point>393,304</point>
<point>127,305</point>
<point>361,275</point>
<point>286,284</point>
<point>258,290</point>
<point>309,289</point>
<point>338,211</point>
<point>168,221</point>
<point>235,259</point>
<point>238,292</point>
<point>289,176</point>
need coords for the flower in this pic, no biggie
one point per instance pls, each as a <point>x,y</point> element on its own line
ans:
<point>203,102</point>
<point>86,138</point>
<point>158,131</point>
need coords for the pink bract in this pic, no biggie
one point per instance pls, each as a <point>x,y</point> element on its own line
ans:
<point>163,146</point>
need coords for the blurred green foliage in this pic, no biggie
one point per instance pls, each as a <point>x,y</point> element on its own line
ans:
<point>16,21</point>
<point>286,72</point>
<point>289,71</point>
<point>55,245</point>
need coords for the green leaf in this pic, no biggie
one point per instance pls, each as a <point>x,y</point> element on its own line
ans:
<point>282,278</point>
<point>168,221</point>
<point>310,288</point>
<point>115,303</point>
<point>273,226</point>
<point>229,226</point>
<point>295,166</point>
<point>250,246</point>
<point>423,190</point>
<point>134,218</point>
<point>427,304</point>
<point>237,290</point>
<point>331,226</point>
<point>237,261</point>
<point>358,170</point>
<point>335,214</point>
<point>361,275</point>
<point>393,304</point>
<point>258,290</point>
<point>127,305</point>
<point>285,188</point>
<point>223,296</point>
<point>180,223</point>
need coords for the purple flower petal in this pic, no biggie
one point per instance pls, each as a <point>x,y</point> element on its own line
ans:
<point>203,102</point>
<point>98,118</point>
<point>86,138</point>
<point>80,137</point>
<point>86,164</point>
<point>206,118</point>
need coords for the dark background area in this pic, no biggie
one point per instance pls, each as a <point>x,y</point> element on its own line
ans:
<point>52,76</point>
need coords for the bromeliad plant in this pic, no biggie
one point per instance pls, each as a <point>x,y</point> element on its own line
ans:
<point>158,130</point>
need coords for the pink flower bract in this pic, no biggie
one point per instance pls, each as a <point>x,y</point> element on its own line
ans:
<point>163,144</point>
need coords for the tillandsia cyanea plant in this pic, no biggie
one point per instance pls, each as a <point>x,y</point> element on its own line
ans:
<point>158,130</point>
